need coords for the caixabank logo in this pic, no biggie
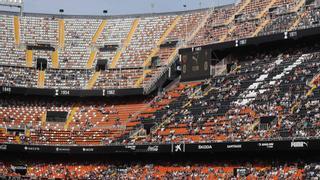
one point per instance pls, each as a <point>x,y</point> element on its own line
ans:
<point>178,148</point>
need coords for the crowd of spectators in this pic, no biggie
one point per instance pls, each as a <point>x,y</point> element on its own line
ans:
<point>18,76</point>
<point>94,122</point>
<point>244,24</point>
<point>220,170</point>
<point>311,19</point>
<point>67,78</point>
<point>224,108</point>
<point>229,107</point>
<point>267,84</point>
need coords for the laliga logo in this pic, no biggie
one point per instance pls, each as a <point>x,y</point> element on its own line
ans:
<point>87,149</point>
<point>3,147</point>
<point>299,144</point>
<point>31,148</point>
<point>62,149</point>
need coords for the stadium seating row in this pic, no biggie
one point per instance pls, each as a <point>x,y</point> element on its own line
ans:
<point>166,171</point>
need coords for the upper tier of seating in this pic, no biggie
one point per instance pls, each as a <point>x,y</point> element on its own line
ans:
<point>81,36</point>
<point>77,40</point>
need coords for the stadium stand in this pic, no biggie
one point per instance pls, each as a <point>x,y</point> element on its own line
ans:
<point>93,122</point>
<point>269,94</point>
<point>229,109</point>
<point>162,170</point>
<point>78,48</point>
<point>138,40</point>
<point>14,76</point>
<point>67,78</point>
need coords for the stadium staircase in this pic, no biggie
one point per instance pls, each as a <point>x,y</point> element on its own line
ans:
<point>172,56</point>
<point>300,16</point>
<point>260,16</point>
<point>92,57</point>
<point>61,33</point>
<point>314,83</point>
<point>250,112</point>
<point>95,37</point>
<point>224,37</point>
<point>265,11</point>
<point>43,119</point>
<point>200,26</point>
<point>309,93</point>
<point>187,104</point>
<point>297,21</point>
<point>229,22</point>
<point>3,132</point>
<point>55,59</point>
<point>93,80</point>
<point>27,133</point>
<point>193,34</point>
<point>99,31</point>
<point>18,140</point>
<point>73,111</point>
<point>254,125</point>
<point>261,26</point>
<point>126,43</point>
<point>295,106</point>
<point>299,5</point>
<point>150,110</point>
<point>41,79</point>
<point>29,58</point>
<point>55,54</point>
<point>16,23</point>
<point>155,50</point>
<point>140,80</point>
<point>280,118</point>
